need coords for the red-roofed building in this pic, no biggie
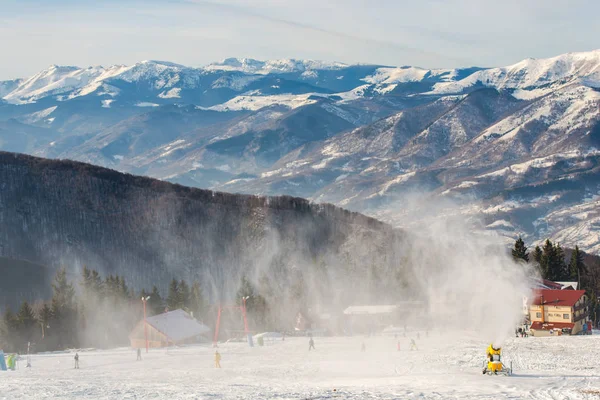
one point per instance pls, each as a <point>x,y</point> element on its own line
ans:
<point>558,311</point>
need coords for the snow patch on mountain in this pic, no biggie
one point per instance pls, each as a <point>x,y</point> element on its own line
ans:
<point>565,110</point>
<point>531,74</point>
<point>8,86</point>
<point>171,147</point>
<point>170,94</point>
<point>39,115</point>
<point>582,227</point>
<point>235,82</point>
<point>52,80</point>
<point>255,102</point>
<point>390,75</point>
<point>397,180</point>
<point>282,66</point>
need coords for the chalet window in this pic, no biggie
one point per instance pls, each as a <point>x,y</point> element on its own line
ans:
<point>565,316</point>
<point>538,315</point>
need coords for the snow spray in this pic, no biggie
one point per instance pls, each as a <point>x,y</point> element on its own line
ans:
<point>466,276</point>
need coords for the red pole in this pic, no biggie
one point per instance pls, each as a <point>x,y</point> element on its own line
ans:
<point>246,330</point>
<point>145,325</point>
<point>216,338</point>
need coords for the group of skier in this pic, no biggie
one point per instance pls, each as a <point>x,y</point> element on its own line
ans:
<point>311,346</point>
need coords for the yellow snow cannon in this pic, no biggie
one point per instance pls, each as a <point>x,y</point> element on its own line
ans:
<point>494,365</point>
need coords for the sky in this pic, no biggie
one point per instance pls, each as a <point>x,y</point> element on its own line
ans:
<point>428,33</point>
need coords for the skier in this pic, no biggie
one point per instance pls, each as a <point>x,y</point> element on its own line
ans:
<point>76,360</point>
<point>413,345</point>
<point>311,344</point>
<point>217,359</point>
<point>139,354</point>
<point>363,347</point>
<point>398,345</point>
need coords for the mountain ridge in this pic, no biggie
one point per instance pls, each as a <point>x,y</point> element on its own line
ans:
<point>365,137</point>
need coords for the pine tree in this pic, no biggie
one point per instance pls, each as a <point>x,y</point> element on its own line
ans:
<point>96,282</point>
<point>25,315</point>
<point>43,318</point>
<point>576,266</point>
<point>123,290</point>
<point>9,330</point>
<point>64,310</point>
<point>547,260</point>
<point>197,303</point>
<point>246,289</point>
<point>537,255</point>
<point>64,294</point>
<point>174,298</point>
<point>184,295</point>
<point>86,279</point>
<point>519,252</point>
<point>90,295</point>
<point>110,287</point>
<point>26,325</point>
<point>560,266</point>
<point>256,305</point>
<point>156,304</point>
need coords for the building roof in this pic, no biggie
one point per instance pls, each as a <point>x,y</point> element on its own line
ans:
<point>369,310</point>
<point>567,285</point>
<point>551,284</point>
<point>546,326</point>
<point>177,325</point>
<point>565,298</point>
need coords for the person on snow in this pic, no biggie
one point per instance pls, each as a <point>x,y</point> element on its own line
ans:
<point>139,354</point>
<point>413,345</point>
<point>217,359</point>
<point>76,360</point>
<point>311,344</point>
<point>363,348</point>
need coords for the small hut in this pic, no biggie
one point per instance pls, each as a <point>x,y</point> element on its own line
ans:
<point>173,327</point>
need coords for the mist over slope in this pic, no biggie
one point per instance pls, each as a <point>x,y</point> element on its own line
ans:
<point>63,213</point>
<point>514,146</point>
<point>299,255</point>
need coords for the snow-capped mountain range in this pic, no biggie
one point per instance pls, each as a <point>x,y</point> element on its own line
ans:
<point>517,147</point>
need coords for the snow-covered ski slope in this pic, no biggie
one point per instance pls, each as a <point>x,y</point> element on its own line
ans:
<point>444,367</point>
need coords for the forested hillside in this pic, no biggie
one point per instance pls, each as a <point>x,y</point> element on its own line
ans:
<point>64,213</point>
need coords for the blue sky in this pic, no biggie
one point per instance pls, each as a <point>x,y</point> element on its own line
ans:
<point>427,33</point>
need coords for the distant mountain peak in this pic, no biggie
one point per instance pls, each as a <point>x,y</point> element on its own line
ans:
<point>250,65</point>
<point>165,63</point>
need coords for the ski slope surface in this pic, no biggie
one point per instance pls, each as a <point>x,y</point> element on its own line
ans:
<point>444,367</point>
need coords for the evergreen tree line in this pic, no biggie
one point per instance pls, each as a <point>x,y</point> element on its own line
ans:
<point>550,259</point>
<point>101,314</point>
<point>551,263</point>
